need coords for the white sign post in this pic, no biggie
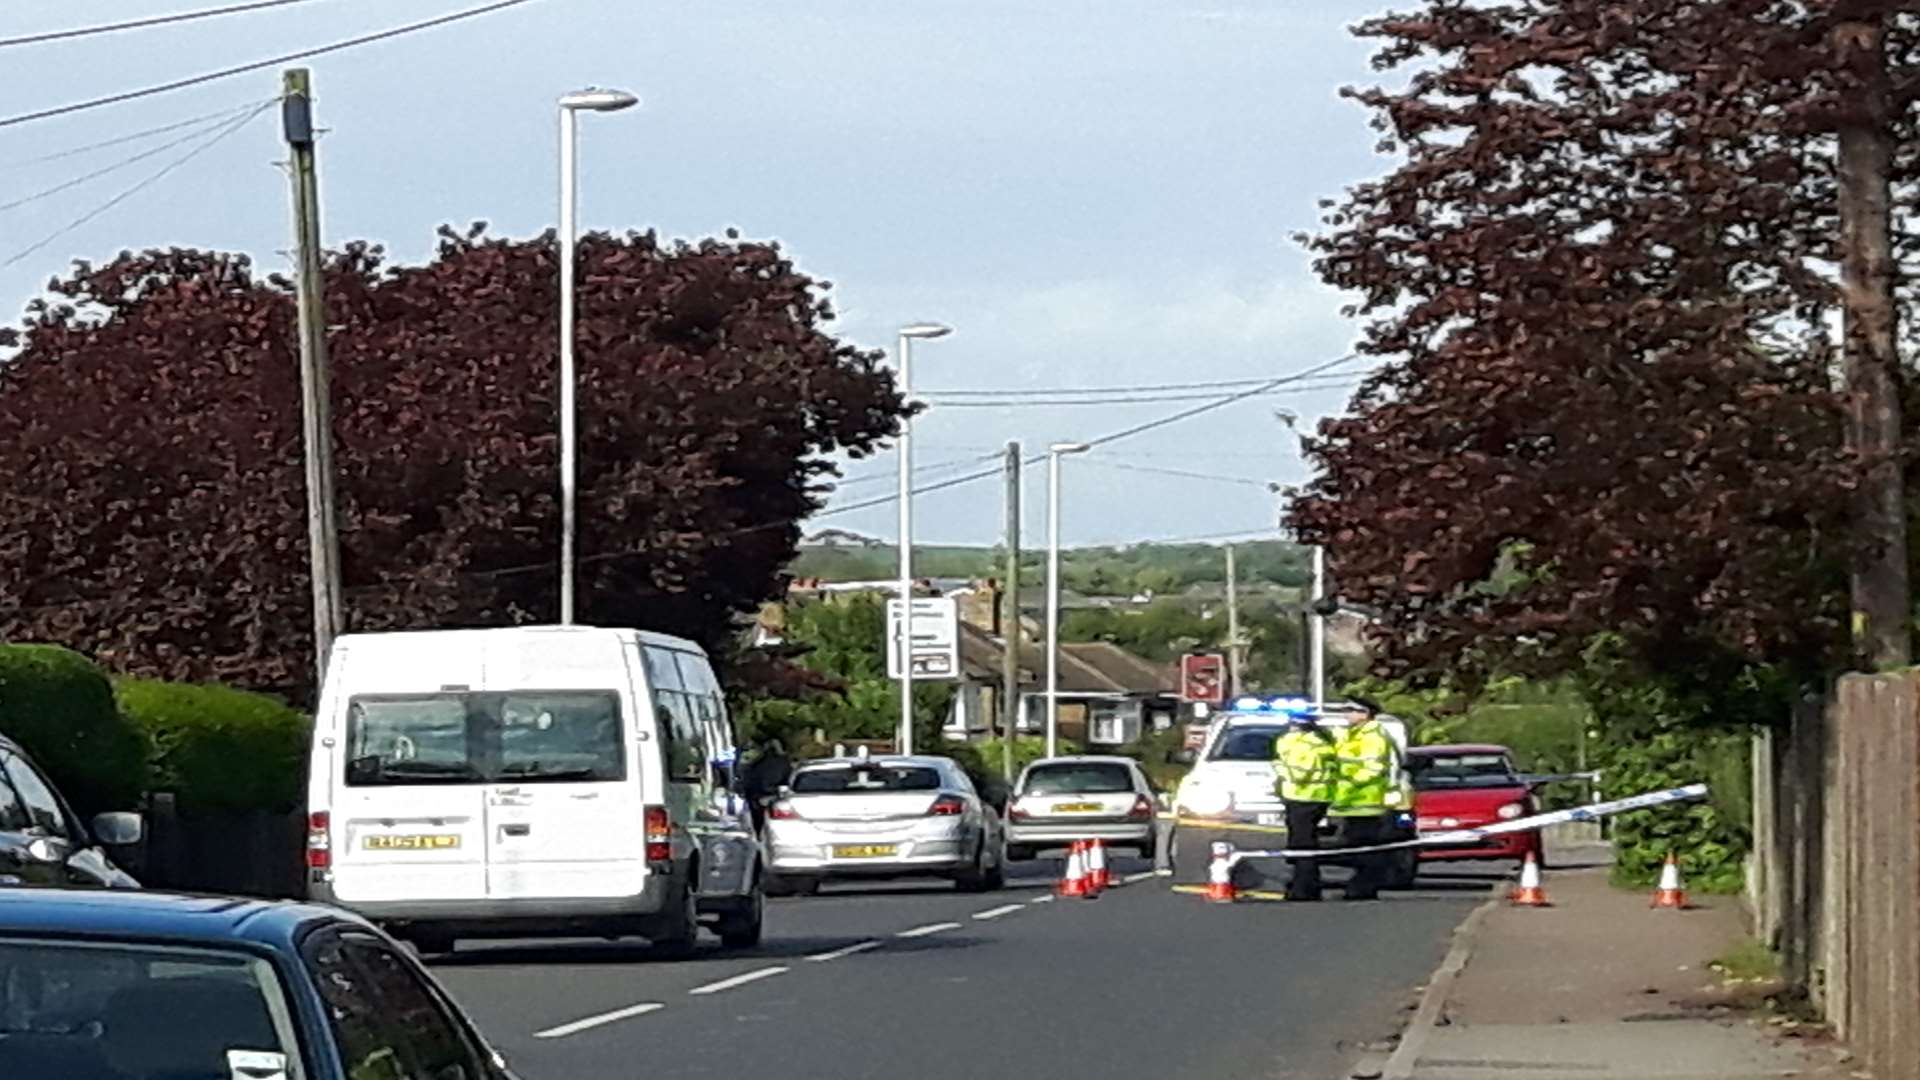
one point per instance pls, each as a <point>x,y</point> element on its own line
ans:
<point>936,638</point>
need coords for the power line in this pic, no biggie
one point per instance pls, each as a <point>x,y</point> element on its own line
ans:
<point>1182,473</point>
<point>257,65</point>
<point>118,140</point>
<point>118,165</point>
<point>937,467</point>
<point>1221,403</point>
<point>149,181</point>
<point>135,24</point>
<point>1330,383</point>
<point>1083,391</point>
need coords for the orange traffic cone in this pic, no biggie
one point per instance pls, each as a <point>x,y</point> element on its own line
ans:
<point>1098,875</point>
<point>1529,893</point>
<point>1220,887</point>
<point>1671,893</point>
<point>1074,881</point>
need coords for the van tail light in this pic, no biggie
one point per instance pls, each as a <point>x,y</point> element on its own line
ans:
<point>659,835</point>
<point>1142,807</point>
<point>783,811</point>
<point>319,840</point>
<point>948,806</point>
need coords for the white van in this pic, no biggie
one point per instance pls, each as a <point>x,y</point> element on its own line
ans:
<point>529,781</point>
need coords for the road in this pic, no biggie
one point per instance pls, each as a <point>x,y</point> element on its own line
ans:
<point>920,981</point>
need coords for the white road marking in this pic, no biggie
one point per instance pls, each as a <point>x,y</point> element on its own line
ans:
<point>738,980</point>
<point>1047,899</point>
<point>856,947</point>
<point>1141,876</point>
<point>579,1026</point>
<point>994,913</point>
<point>930,928</point>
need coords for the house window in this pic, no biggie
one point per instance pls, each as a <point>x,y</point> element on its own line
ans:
<point>1106,727</point>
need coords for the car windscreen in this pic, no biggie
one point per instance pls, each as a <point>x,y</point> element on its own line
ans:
<point>519,736</point>
<point>1252,742</point>
<point>86,1011</point>
<point>862,779</point>
<point>1461,770</point>
<point>1084,778</point>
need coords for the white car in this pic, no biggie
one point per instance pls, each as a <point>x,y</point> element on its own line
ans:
<point>1063,799</point>
<point>874,818</point>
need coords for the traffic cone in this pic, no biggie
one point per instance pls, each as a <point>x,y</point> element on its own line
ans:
<point>1671,893</point>
<point>1220,887</point>
<point>1529,894</point>
<point>1074,882</point>
<point>1098,876</point>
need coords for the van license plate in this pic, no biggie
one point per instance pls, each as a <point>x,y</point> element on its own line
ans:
<point>864,851</point>
<point>411,843</point>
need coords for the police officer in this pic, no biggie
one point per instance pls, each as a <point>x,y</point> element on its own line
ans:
<point>1303,762</point>
<point>1365,786</point>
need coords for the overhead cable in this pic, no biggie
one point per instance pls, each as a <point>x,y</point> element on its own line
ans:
<point>136,24</point>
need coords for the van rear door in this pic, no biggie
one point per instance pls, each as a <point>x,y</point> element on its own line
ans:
<point>565,812</point>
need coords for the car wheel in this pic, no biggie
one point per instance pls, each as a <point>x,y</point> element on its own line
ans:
<point>680,931</point>
<point>979,877</point>
<point>741,928</point>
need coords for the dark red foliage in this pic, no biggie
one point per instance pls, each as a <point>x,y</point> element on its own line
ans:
<point>150,450</point>
<point>1601,277</point>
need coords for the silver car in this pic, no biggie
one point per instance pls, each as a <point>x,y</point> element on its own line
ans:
<point>1063,799</point>
<point>882,817</point>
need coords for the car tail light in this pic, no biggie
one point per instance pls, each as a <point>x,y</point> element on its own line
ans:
<point>783,811</point>
<point>948,806</point>
<point>659,835</point>
<point>1018,812</point>
<point>319,840</point>
<point>1142,807</point>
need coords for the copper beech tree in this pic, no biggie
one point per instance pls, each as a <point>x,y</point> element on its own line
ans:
<point>150,448</point>
<point>1602,277</point>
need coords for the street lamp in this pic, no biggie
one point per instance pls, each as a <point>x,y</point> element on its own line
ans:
<point>1054,454</point>
<point>908,335</point>
<point>592,99</point>
<point>1317,628</point>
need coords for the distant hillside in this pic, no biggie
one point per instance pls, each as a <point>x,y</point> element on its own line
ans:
<point>1099,571</point>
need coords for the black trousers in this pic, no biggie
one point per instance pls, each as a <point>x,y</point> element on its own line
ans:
<point>1369,871</point>
<point>1303,834</point>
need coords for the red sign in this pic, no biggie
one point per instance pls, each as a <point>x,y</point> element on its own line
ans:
<point>1203,677</point>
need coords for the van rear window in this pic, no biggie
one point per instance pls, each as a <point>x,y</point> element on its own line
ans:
<point>493,737</point>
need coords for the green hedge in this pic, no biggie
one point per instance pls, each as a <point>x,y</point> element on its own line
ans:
<point>60,707</point>
<point>219,750</point>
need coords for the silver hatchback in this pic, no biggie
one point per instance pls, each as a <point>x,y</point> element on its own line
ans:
<point>882,817</point>
<point>1060,800</point>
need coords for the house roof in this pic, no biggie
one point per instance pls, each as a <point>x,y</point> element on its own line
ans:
<point>1097,667</point>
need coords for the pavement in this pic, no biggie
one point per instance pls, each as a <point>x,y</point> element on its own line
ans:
<point>1599,986</point>
<point>921,981</point>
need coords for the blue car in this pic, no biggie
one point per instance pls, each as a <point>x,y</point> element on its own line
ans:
<point>110,985</point>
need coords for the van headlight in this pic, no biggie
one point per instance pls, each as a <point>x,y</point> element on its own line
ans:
<point>1206,801</point>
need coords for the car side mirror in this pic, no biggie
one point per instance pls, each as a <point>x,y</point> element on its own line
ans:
<point>118,829</point>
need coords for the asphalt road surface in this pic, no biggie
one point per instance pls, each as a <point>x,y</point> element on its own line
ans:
<point>919,981</point>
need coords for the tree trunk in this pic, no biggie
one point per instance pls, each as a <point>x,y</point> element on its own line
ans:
<point>1881,614</point>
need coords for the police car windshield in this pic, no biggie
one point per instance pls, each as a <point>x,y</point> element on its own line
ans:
<point>1251,742</point>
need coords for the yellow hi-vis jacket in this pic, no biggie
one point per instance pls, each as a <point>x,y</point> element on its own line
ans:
<point>1364,772</point>
<point>1303,765</point>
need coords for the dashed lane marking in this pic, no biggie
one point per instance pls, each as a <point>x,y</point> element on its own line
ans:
<point>856,947</point>
<point>1048,899</point>
<point>738,980</point>
<point>578,1026</point>
<point>1141,876</point>
<point>994,913</point>
<point>930,928</point>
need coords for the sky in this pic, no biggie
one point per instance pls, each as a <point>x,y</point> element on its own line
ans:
<point>1093,193</point>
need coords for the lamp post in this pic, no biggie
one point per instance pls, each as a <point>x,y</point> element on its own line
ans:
<point>908,335</point>
<point>1054,454</point>
<point>590,100</point>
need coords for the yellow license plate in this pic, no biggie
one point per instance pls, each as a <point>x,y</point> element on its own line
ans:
<point>411,843</point>
<point>1077,808</point>
<point>864,851</point>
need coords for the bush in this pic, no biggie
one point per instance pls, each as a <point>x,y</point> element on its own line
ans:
<point>219,750</point>
<point>1152,749</point>
<point>60,707</point>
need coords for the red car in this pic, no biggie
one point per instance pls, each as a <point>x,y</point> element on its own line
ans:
<point>1466,787</point>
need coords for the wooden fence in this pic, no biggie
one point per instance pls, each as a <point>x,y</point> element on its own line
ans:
<point>259,854</point>
<point>1835,881</point>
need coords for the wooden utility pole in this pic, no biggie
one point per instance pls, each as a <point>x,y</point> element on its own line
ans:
<point>1236,649</point>
<point>1881,594</point>
<point>315,402</point>
<point>1010,619</point>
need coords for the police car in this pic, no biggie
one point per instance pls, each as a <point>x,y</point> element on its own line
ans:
<point>1229,792</point>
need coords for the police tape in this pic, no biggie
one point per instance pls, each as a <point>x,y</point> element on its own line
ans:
<point>1456,837</point>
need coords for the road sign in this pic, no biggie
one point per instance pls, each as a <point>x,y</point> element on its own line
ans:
<point>936,638</point>
<point>1203,677</point>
